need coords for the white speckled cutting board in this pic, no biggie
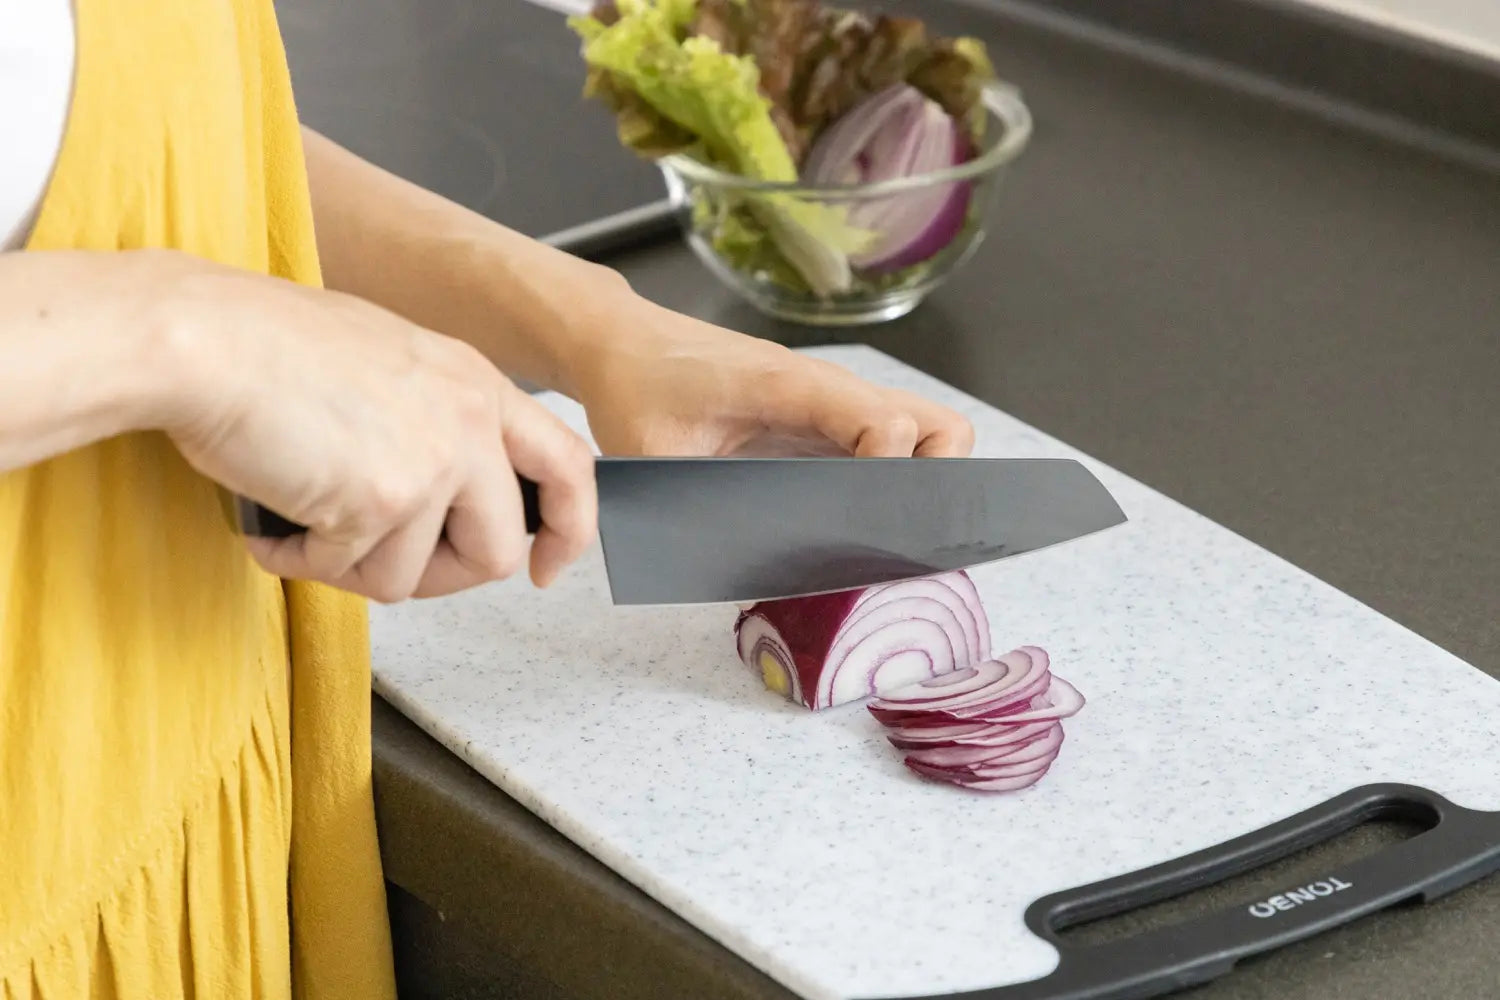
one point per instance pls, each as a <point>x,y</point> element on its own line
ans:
<point>1226,690</point>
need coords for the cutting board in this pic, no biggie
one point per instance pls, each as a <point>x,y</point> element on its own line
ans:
<point>1237,708</point>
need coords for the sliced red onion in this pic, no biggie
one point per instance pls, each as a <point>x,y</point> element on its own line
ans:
<point>990,734</point>
<point>1015,702</point>
<point>993,683</point>
<point>1061,701</point>
<point>931,735</point>
<point>944,688</point>
<point>897,132</point>
<point>1006,767</point>
<point>835,648</point>
<point>1012,783</point>
<point>969,756</point>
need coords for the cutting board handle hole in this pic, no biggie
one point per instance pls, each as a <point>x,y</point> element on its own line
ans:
<point>1192,919</point>
<point>1148,905</point>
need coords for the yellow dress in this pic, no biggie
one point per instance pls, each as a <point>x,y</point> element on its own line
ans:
<point>185,802</point>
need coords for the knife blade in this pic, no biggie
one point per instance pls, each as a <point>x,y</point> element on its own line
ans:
<point>680,531</point>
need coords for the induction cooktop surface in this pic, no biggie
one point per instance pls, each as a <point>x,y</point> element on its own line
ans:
<point>479,100</point>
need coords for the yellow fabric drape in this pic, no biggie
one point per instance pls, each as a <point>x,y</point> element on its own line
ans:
<point>185,803</point>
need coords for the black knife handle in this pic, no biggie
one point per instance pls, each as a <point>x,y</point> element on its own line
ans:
<point>1459,847</point>
<point>261,522</point>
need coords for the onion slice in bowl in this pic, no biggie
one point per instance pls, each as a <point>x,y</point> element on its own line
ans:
<point>895,133</point>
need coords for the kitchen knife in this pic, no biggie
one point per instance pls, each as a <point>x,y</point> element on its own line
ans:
<point>738,530</point>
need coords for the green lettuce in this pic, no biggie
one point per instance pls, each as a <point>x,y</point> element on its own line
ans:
<point>677,92</point>
<point>711,95</point>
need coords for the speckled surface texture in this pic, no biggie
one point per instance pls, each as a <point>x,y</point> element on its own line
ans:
<point>1226,690</point>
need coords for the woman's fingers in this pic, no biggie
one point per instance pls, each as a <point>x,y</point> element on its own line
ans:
<point>315,555</point>
<point>543,449</point>
<point>396,566</point>
<point>942,433</point>
<point>486,539</point>
<point>891,434</point>
<point>444,546</point>
<point>863,419</point>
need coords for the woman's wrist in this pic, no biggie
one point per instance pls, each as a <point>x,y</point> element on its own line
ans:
<point>179,302</point>
<point>583,323</point>
<point>84,353</point>
<point>541,315</point>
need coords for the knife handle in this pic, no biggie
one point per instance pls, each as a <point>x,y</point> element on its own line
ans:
<point>1457,846</point>
<point>261,522</point>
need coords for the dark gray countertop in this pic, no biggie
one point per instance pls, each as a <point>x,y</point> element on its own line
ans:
<point>1287,323</point>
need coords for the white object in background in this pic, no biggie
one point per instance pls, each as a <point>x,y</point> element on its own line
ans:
<point>565,6</point>
<point>1226,690</point>
<point>1468,25</point>
<point>36,86</point>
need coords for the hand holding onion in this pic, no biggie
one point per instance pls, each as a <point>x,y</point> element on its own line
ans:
<point>661,383</point>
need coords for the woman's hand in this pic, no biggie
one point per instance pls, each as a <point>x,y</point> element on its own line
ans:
<point>661,383</point>
<point>653,381</point>
<point>373,432</point>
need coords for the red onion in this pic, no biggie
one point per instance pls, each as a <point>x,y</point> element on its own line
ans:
<point>996,726</point>
<point>1008,783</point>
<point>992,734</point>
<point>835,648</point>
<point>898,132</point>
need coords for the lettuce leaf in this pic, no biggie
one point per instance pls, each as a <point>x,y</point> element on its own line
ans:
<point>673,91</point>
<point>709,94</point>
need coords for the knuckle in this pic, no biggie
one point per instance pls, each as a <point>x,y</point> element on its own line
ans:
<point>503,558</point>
<point>504,563</point>
<point>453,354</point>
<point>391,498</point>
<point>580,458</point>
<point>477,406</point>
<point>777,364</point>
<point>444,467</point>
<point>898,427</point>
<point>963,432</point>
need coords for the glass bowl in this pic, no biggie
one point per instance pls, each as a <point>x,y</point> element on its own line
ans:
<point>713,205</point>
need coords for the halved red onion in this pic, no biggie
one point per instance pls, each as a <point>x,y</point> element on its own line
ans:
<point>1017,704</point>
<point>835,648</point>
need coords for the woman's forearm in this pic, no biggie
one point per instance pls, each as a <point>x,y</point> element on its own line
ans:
<point>82,356</point>
<point>527,307</point>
